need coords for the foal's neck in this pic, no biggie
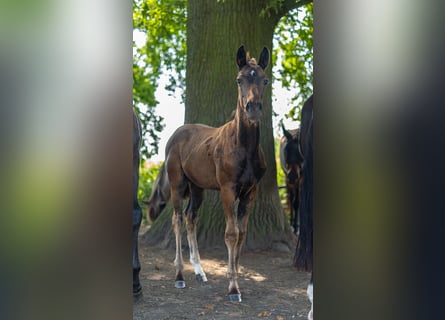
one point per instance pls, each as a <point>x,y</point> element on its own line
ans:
<point>247,133</point>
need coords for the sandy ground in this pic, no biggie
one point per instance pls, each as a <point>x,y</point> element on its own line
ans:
<point>271,287</point>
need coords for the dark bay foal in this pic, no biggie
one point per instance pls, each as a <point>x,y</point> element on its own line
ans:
<point>229,159</point>
<point>291,160</point>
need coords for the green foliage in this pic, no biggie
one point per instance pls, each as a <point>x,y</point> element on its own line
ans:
<point>272,7</point>
<point>164,24</point>
<point>147,177</point>
<point>281,178</point>
<point>294,36</point>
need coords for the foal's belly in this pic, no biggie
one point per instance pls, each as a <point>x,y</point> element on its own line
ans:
<point>201,172</point>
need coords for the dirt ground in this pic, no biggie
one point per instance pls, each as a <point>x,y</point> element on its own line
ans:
<point>271,287</point>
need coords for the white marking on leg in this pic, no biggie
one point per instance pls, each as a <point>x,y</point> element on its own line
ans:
<point>310,295</point>
<point>198,269</point>
<point>195,259</point>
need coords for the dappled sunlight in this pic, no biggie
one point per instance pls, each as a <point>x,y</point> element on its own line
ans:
<point>256,277</point>
<point>256,267</point>
<point>299,291</point>
<point>218,268</point>
<point>214,267</point>
<point>270,285</point>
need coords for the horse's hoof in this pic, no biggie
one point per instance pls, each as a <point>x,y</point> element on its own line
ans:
<point>137,292</point>
<point>201,279</point>
<point>137,297</point>
<point>235,297</point>
<point>310,315</point>
<point>180,284</point>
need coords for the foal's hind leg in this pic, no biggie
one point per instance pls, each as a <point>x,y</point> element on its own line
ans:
<point>177,228</point>
<point>178,187</point>
<point>192,219</point>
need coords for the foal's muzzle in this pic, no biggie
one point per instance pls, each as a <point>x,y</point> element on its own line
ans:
<point>254,111</point>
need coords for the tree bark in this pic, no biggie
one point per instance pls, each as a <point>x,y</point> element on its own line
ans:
<point>215,30</point>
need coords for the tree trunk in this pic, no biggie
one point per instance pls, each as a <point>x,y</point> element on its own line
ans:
<point>215,30</point>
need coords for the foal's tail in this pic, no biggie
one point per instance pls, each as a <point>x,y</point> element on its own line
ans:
<point>160,194</point>
<point>304,252</point>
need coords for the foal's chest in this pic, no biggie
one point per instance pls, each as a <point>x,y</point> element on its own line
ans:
<point>249,172</point>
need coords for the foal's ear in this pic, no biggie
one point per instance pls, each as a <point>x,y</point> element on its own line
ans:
<point>241,57</point>
<point>264,58</point>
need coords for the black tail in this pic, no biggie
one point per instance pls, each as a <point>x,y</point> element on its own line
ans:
<point>304,250</point>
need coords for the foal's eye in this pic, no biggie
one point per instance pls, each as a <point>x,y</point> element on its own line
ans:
<point>266,81</point>
<point>238,81</point>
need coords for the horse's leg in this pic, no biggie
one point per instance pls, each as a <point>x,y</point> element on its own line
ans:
<point>297,187</point>
<point>177,228</point>
<point>137,216</point>
<point>196,196</point>
<point>137,219</point>
<point>310,294</point>
<point>178,185</point>
<point>243,219</point>
<point>231,237</point>
<point>295,205</point>
<point>290,204</point>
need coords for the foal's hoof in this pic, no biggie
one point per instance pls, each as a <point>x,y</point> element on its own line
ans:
<point>137,294</point>
<point>137,297</point>
<point>235,297</point>
<point>180,284</point>
<point>201,279</point>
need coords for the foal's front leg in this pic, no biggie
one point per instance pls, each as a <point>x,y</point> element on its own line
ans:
<point>243,219</point>
<point>231,238</point>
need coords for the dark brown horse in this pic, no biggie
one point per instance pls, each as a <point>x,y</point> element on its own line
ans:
<point>304,251</point>
<point>291,161</point>
<point>229,159</point>
<point>137,212</point>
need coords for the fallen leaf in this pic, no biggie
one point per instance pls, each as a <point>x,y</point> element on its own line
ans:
<point>264,314</point>
<point>209,306</point>
<point>279,318</point>
<point>202,313</point>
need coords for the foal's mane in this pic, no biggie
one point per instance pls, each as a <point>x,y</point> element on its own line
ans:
<point>251,61</point>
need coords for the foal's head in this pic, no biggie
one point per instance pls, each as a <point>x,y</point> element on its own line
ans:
<point>251,82</point>
<point>292,156</point>
<point>154,207</point>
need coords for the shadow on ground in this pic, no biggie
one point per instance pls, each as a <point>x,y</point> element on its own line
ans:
<point>271,287</point>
